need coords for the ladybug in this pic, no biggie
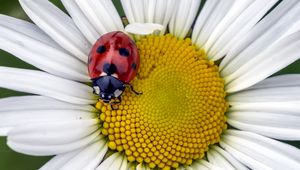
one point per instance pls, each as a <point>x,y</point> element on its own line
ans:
<point>113,62</point>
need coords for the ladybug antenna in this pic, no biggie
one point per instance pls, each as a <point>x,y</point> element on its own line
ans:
<point>131,88</point>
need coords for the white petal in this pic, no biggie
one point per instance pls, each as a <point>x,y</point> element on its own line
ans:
<point>266,33</point>
<point>38,82</point>
<point>195,166</point>
<point>211,15</point>
<point>112,162</point>
<point>89,158</point>
<point>191,168</point>
<point>266,93</point>
<point>116,163</point>
<point>138,6</point>
<point>280,126</point>
<point>142,166</point>
<point>28,29</point>
<point>265,64</point>
<point>24,112</point>
<point>288,107</point>
<point>102,15</point>
<point>203,165</point>
<point>58,26</point>
<point>139,167</point>
<point>143,28</point>
<point>27,42</point>
<point>125,164</point>
<point>265,30</point>
<point>217,159</point>
<point>81,21</point>
<point>183,17</point>
<point>163,12</point>
<point>53,133</point>
<point>5,130</point>
<point>268,109</point>
<point>273,94</point>
<point>258,152</point>
<point>23,103</point>
<point>58,161</point>
<point>126,4</point>
<point>202,20</point>
<point>245,159</point>
<point>44,149</point>
<point>287,80</point>
<point>153,11</point>
<point>239,20</point>
<point>225,155</point>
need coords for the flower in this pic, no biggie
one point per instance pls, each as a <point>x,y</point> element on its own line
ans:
<point>181,115</point>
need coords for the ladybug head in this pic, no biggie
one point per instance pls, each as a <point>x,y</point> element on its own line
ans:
<point>108,88</point>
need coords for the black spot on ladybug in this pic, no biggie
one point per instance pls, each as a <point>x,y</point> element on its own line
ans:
<point>101,49</point>
<point>123,52</point>
<point>133,65</point>
<point>109,69</point>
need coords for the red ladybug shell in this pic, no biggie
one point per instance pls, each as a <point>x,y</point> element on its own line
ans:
<point>114,54</point>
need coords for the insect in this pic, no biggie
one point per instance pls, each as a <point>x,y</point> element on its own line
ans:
<point>113,62</point>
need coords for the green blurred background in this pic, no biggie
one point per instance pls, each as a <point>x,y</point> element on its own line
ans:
<point>10,160</point>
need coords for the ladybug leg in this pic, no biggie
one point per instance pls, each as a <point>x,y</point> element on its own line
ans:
<point>117,101</point>
<point>114,103</point>
<point>120,99</point>
<point>113,106</point>
<point>131,88</point>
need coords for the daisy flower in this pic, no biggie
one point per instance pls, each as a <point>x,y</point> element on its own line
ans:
<point>207,102</point>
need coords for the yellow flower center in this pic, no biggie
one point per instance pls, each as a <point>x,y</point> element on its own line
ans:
<point>181,110</point>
